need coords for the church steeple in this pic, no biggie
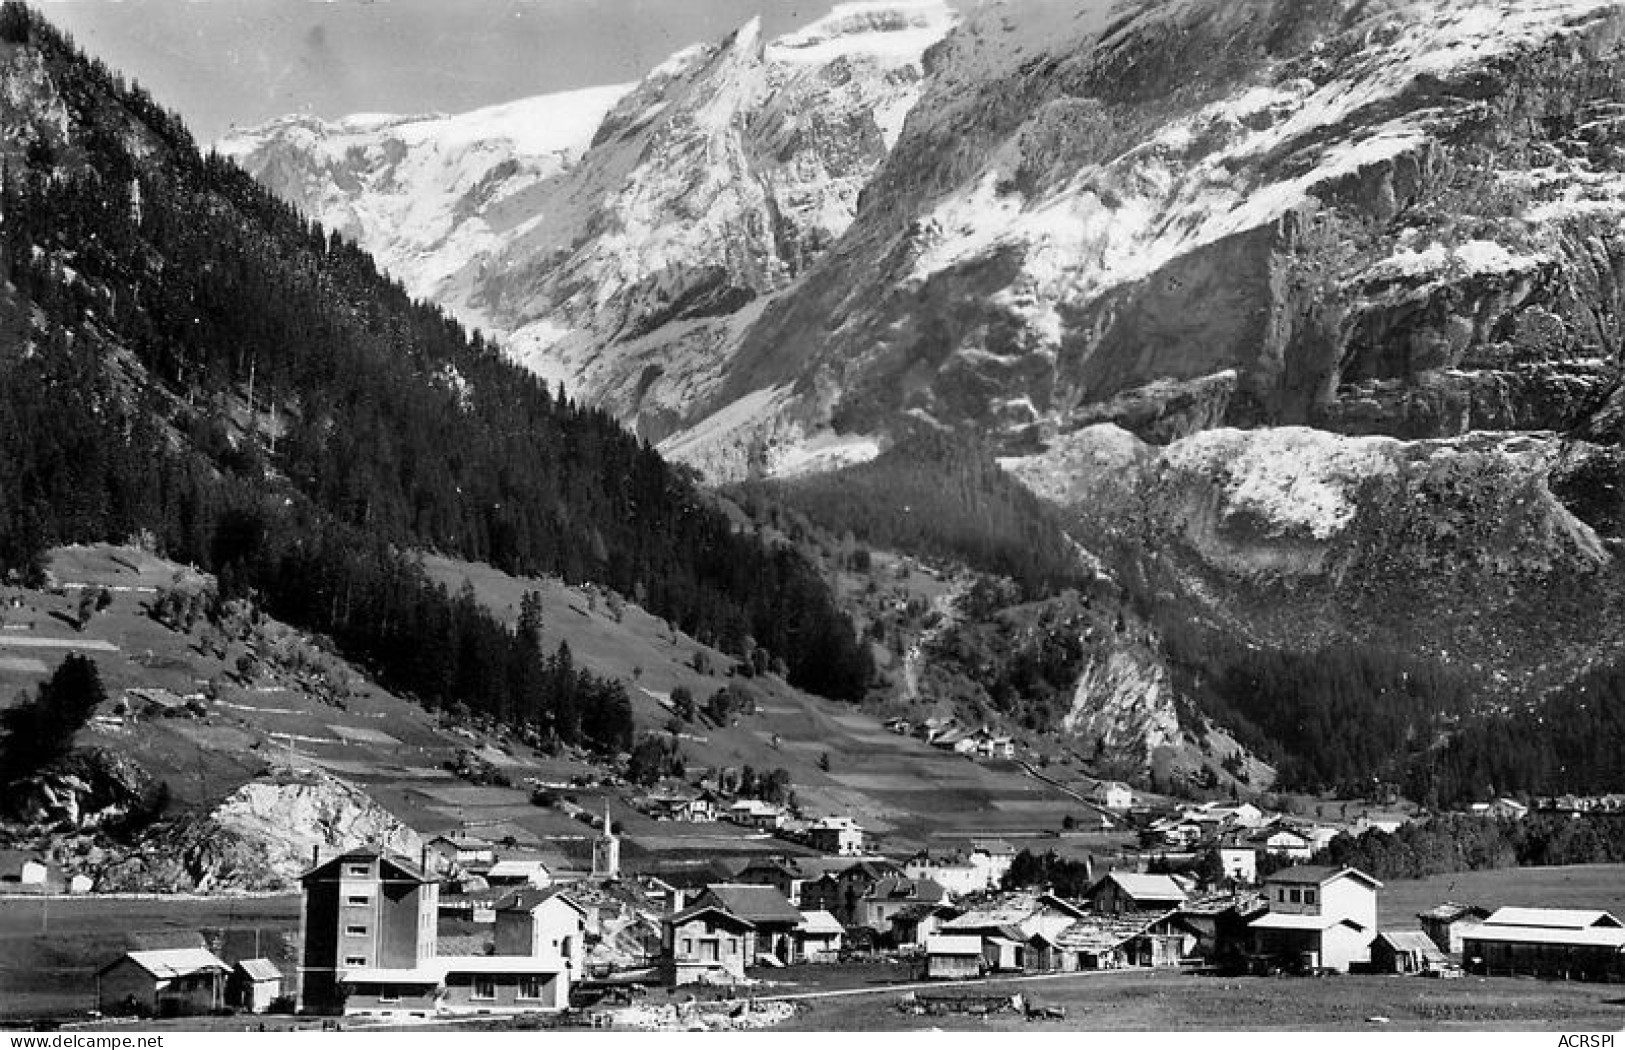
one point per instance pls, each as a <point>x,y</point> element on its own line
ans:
<point>606,851</point>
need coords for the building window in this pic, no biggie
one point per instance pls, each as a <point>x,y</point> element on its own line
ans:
<point>359,900</point>
<point>688,946</point>
<point>530,987</point>
<point>708,951</point>
<point>485,988</point>
<point>1296,897</point>
<point>1309,896</point>
<point>355,960</point>
<point>389,993</point>
<point>359,871</point>
<point>355,931</point>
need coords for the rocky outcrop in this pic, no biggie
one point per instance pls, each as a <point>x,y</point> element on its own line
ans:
<point>260,837</point>
<point>1491,552</point>
<point>88,788</point>
<point>1124,705</point>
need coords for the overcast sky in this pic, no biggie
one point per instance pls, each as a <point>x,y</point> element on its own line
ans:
<point>221,62</point>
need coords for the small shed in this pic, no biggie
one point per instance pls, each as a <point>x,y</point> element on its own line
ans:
<point>949,957</point>
<point>254,984</point>
<point>1407,951</point>
<point>24,869</point>
<point>818,938</point>
<point>164,983</point>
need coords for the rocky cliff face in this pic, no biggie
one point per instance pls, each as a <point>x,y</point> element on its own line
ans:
<point>1495,553</point>
<point>1384,218</point>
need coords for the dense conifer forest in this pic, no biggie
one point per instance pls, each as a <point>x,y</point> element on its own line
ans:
<point>939,496</point>
<point>186,361</point>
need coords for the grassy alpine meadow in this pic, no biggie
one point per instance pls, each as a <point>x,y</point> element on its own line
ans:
<point>1169,1001</point>
<point>1582,886</point>
<point>51,948</point>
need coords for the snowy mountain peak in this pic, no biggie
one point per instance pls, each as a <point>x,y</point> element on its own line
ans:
<point>416,191</point>
<point>900,29</point>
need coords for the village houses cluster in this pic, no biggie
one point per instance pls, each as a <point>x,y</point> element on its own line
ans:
<point>374,941</point>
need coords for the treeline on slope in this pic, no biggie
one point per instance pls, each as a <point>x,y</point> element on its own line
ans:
<point>1572,741</point>
<point>78,463</point>
<point>295,382</point>
<point>1334,717</point>
<point>1459,842</point>
<point>938,496</point>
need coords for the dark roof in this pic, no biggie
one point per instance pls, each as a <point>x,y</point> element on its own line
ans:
<point>712,909</point>
<point>756,904</point>
<point>896,888</point>
<point>403,868</point>
<point>463,838</point>
<point>527,898</point>
<point>1319,875</point>
<point>873,869</point>
<point>773,865</point>
<point>916,912</point>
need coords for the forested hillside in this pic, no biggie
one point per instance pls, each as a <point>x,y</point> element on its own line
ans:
<point>184,359</point>
<point>939,496</point>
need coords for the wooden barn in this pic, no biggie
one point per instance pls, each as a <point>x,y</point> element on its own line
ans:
<point>164,983</point>
<point>1553,943</point>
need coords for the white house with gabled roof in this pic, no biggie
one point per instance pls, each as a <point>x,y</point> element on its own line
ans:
<point>1319,918</point>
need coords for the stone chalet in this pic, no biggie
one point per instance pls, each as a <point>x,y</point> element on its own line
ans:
<point>772,918</point>
<point>705,944</point>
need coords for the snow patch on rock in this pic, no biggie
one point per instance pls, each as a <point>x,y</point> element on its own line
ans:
<point>1293,480</point>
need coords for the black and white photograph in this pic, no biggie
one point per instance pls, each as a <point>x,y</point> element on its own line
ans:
<point>921,517</point>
